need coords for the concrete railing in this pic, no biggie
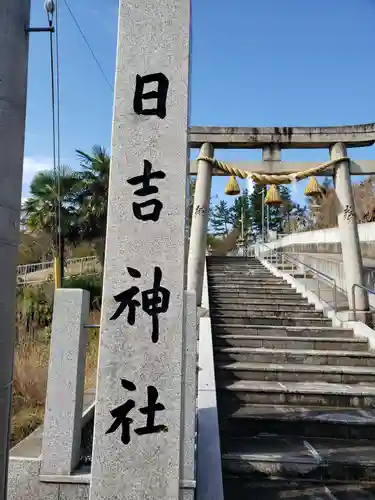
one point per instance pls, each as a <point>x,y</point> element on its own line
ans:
<point>209,473</point>
<point>63,421</point>
<point>189,399</point>
<point>65,387</point>
<point>323,236</point>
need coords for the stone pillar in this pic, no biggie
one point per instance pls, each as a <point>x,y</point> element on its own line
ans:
<point>347,221</point>
<point>198,234</point>
<point>189,387</point>
<point>66,379</point>
<point>14,18</point>
<point>270,153</point>
<point>137,429</point>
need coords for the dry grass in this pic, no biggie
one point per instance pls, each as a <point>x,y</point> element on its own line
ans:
<point>326,215</point>
<point>30,381</point>
<point>30,373</point>
<point>227,244</point>
<point>364,201</point>
<point>92,352</point>
<point>25,422</point>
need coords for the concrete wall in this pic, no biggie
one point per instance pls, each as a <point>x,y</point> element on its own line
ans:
<point>310,246</point>
<point>326,241</point>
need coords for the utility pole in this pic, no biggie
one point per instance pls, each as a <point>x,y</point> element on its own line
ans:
<point>14,21</point>
<point>242,220</point>
<point>263,213</point>
<point>242,224</point>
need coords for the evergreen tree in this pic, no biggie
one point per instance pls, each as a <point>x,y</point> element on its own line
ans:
<point>277,213</point>
<point>242,209</point>
<point>221,218</point>
<point>281,213</point>
<point>256,208</point>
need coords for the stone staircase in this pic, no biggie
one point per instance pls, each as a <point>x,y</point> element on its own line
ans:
<point>296,396</point>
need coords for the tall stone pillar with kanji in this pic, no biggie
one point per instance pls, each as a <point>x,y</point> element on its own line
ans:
<point>136,451</point>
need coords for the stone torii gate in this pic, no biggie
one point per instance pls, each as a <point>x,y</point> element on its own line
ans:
<point>272,140</point>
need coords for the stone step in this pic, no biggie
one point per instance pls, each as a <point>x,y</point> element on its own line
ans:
<point>266,301</point>
<point>300,275</point>
<point>249,271</point>
<point>279,420</point>
<point>272,489</point>
<point>294,356</point>
<point>250,287</point>
<point>235,371</point>
<point>278,331</point>
<point>224,282</point>
<point>233,396</point>
<point>238,271</point>
<point>264,309</point>
<point>244,279</point>
<point>233,261</point>
<point>295,343</point>
<point>256,291</point>
<point>288,457</point>
<point>257,319</point>
<point>236,268</point>
<point>241,276</point>
<point>250,305</point>
<point>242,265</point>
<point>246,275</point>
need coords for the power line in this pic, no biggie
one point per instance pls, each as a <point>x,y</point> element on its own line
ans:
<point>88,45</point>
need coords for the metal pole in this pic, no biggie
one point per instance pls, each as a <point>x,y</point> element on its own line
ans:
<point>242,224</point>
<point>14,51</point>
<point>263,214</point>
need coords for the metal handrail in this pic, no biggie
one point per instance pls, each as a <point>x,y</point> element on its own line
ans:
<point>368,290</point>
<point>311,269</point>
<point>302,264</point>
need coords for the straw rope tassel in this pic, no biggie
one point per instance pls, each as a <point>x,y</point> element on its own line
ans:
<point>313,188</point>
<point>273,196</point>
<point>232,188</point>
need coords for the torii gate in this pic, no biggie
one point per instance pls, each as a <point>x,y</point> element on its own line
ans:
<point>272,140</point>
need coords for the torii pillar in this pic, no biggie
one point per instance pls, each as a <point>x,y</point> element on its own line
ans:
<point>347,222</point>
<point>199,225</point>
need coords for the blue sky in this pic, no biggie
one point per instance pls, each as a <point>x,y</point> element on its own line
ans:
<point>254,63</point>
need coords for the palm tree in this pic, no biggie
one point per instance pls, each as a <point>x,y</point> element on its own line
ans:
<point>39,210</point>
<point>92,198</point>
